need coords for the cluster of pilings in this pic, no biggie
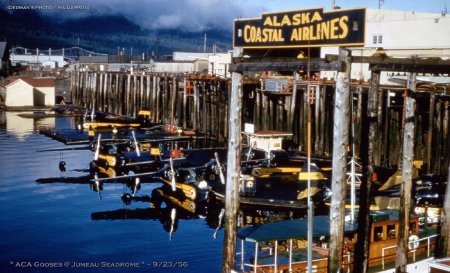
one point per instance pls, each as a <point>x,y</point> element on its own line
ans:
<point>188,101</point>
<point>378,119</point>
<point>201,103</point>
<point>287,112</point>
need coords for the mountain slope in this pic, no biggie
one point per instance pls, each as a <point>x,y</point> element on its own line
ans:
<point>103,34</point>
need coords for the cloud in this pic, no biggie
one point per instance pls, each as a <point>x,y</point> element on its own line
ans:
<point>187,15</point>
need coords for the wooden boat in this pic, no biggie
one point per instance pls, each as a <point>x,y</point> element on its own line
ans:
<point>439,266</point>
<point>281,246</point>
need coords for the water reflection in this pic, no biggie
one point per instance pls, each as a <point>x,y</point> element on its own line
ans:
<point>165,206</point>
<point>22,125</point>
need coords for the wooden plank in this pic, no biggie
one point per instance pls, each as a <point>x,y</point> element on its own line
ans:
<point>380,59</point>
<point>417,68</point>
<point>314,65</point>
<point>339,171</point>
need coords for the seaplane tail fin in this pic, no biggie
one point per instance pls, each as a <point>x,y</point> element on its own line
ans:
<point>387,202</point>
<point>395,179</point>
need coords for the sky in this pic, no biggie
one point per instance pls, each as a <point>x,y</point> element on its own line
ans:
<point>200,15</point>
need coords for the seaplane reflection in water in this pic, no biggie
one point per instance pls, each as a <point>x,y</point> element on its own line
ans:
<point>169,207</point>
<point>96,179</point>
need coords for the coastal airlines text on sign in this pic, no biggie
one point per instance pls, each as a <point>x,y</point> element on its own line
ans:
<point>301,28</point>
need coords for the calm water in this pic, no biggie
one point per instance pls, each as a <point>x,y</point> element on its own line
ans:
<point>67,227</point>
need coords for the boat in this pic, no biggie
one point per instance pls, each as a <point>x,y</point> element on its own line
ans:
<point>281,246</point>
<point>439,265</point>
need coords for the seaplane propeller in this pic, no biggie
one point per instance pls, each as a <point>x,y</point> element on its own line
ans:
<point>136,144</point>
<point>125,176</point>
<point>97,149</point>
<point>172,175</point>
<point>85,115</point>
<point>173,215</point>
<point>221,214</point>
<point>222,177</point>
<point>97,185</point>
<point>137,181</point>
<point>92,114</point>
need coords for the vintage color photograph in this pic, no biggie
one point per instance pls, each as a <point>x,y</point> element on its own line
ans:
<point>264,136</point>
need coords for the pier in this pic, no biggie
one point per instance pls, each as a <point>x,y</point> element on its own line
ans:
<point>201,103</point>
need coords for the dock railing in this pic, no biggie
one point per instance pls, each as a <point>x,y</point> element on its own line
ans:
<point>413,250</point>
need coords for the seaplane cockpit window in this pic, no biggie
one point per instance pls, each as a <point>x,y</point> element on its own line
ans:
<point>112,149</point>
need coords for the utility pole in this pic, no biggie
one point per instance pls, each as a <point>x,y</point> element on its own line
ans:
<point>204,44</point>
<point>339,171</point>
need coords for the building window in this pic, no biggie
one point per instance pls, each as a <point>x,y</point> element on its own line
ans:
<point>377,39</point>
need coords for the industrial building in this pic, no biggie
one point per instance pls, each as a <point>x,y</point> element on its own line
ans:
<point>398,34</point>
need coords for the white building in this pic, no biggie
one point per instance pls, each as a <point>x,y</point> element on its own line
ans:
<point>29,92</point>
<point>400,34</point>
<point>212,63</point>
<point>37,57</point>
<point>219,63</point>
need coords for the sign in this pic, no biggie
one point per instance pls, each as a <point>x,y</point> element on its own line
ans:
<point>301,28</point>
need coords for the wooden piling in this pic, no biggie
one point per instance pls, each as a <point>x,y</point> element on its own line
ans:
<point>379,130</point>
<point>233,173</point>
<point>185,95</point>
<point>317,114</point>
<point>195,113</point>
<point>157,99</point>
<point>444,249</point>
<point>291,116</point>
<point>406,187</point>
<point>429,146</point>
<point>173,98</point>
<point>322,125</point>
<point>367,153</point>
<point>339,171</point>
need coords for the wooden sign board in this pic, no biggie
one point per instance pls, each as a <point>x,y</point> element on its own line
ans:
<point>301,28</point>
